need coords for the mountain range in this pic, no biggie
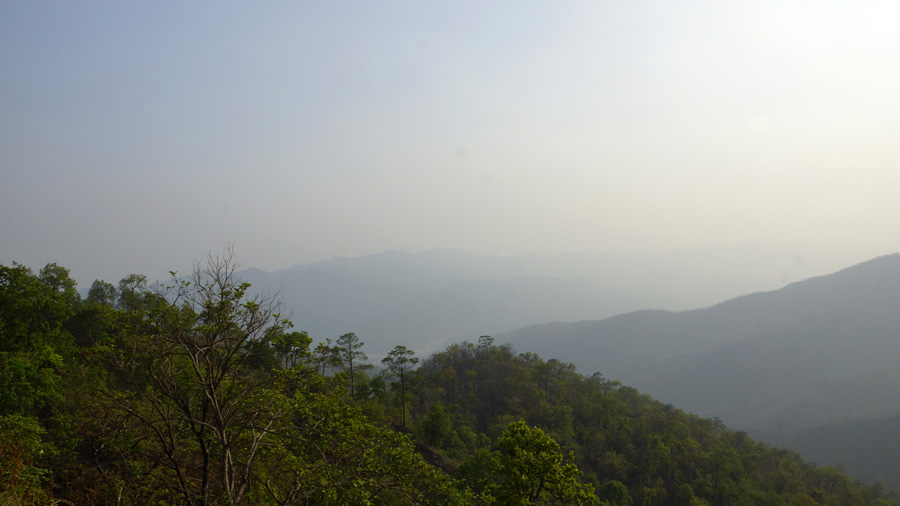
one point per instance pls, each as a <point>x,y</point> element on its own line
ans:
<point>815,357</point>
<point>810,365</point>
<point>420,300</point>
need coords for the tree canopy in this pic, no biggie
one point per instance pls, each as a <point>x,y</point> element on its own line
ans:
<point>198,391</point>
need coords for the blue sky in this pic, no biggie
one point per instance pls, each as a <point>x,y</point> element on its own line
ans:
<point>136,136</point>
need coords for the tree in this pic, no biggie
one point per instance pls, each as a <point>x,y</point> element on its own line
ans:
<point>436,427</point>
<point>400,362</point>
<point>333,455</point>
<point>131,291</point>
<point>325,355</point>
<point>57,279</point>
<point>349,356</point>
<point>33,338</point>
<point>21,481</point>
<point>103,293</point>
<point>292,348</point>
<point>531,470</point>
<point>614,493</point>
<point>191,382</point>
<point>35,348</point>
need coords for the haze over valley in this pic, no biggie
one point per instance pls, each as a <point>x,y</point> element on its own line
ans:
<point>416,299</point>
<point>450,216</point>
<point>816,356</point>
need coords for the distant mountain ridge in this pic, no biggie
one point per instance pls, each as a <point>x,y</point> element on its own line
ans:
<point>646,348</point>
<point>817,352</point>
<point>397,297</point>
<point>810,354</point>
<point>400,298</point>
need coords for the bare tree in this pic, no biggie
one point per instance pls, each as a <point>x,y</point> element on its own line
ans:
<point>189,368</point>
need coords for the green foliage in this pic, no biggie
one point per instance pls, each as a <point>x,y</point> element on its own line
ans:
<point>57,280</point>
<point>325,356</point>
<point>33,339</point>
<point>348,354</point>
<point>526,468</point>
<point>102,293</point>
<point>623,441</point>
<point>614,493</point>
<point>33,308</point>
<point>333,456</point>
<point>292,349</point>
<point>198,392</point>
<point>197,381</point>
<point>22,479</point>
<point>29,382</point>
<point>132,291</point>
<point>436,428</point>
<point>532,471</point>
<point>400,362</point>
<point>194,394</point>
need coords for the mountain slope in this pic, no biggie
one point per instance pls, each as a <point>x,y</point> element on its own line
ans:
<point>817,352</point>
<point>828,354</point>
<point>868,448</point>
<point>620,439</point>
<point>804,345</point>
<point>413,299</point>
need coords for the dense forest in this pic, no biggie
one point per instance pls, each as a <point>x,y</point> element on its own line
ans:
<point>200,391</point>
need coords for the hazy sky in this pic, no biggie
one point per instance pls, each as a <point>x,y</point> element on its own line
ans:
<point>136,136</point>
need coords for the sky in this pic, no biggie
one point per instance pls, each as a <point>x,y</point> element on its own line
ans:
<point>138,136</point>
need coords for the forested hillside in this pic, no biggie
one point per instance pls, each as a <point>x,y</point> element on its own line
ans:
<point>815,353</point>
<point>195,392</point>
<point>855,306</point>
